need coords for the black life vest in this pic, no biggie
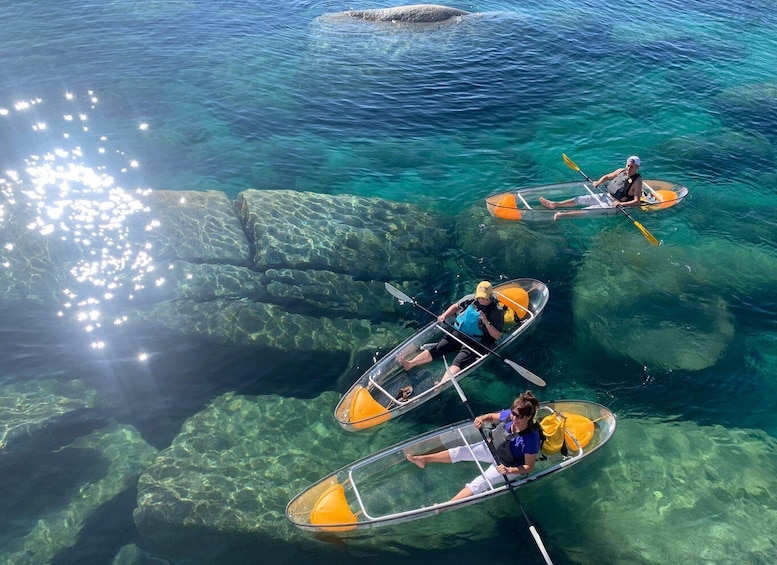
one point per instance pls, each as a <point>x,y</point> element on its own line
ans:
<point>621,185</point>
<point>500,441</point>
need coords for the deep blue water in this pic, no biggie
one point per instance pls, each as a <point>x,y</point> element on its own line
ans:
<point>227,95</point>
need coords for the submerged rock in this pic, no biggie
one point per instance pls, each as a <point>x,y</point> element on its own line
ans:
<point>107,462</point>
<point>365,237</point>
<point>289,270</point>
<point>28,407</point>
<point>657,478</point>
<point>620,300</point>
<point>233,468</point>
<point>750,106</point>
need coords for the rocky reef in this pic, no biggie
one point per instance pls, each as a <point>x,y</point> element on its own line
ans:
<point>97,468</point>
<point>280,269</point>
<point>235,465</point>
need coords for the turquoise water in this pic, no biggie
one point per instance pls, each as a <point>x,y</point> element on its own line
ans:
<point>225,96</point>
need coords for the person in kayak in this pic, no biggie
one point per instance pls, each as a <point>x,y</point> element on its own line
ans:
<point>479,316</point>
<point>624,190</point>
<point>515,440</point>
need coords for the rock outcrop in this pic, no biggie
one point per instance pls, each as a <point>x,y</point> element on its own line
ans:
<point>414,14</point>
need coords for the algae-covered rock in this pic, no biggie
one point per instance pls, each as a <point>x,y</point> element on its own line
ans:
<point>119,456</point>
<point>234,467</point>
<point>28,407</point>
<point>657,478</point>
<point>621,297</point>
<point>365,237</point>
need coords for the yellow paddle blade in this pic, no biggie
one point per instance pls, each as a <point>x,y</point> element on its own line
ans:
<point>649,236</point>
<point>570,163</point>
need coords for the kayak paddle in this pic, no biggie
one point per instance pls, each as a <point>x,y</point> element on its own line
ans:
<point>535,534</point>
<point>649,236</point>
<point>523,371</point>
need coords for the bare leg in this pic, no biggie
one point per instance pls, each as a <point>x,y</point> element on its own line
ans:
<point>563,204</point>
<point>452,370</point>
<point>463,493</point>
<point>422,460</point>
<point>424,357</point>
<point>558,215</point>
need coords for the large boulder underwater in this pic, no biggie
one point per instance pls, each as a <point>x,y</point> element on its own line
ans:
<point>280,271</point>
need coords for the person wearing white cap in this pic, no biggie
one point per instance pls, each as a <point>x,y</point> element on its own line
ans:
<point>478,316</point>
<point>624,190</point>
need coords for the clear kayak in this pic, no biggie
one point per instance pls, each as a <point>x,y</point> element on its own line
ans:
<point>384,488</point>
<point>386,391</point>
<point>524,203</point>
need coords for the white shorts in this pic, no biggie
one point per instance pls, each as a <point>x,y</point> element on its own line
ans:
<point>482,454</point>
<point>594,201</point>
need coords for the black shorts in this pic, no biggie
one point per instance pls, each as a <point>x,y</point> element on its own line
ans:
<point>464,357</point>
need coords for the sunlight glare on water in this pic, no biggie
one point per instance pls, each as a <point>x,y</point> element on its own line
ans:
<point>73,200</point>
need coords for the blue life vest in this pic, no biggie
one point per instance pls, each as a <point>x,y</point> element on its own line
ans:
<point>468,322</point>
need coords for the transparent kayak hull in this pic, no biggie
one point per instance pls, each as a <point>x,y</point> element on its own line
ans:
<point>384,488</point>
<point>376,397</point>
<point>524,203</point>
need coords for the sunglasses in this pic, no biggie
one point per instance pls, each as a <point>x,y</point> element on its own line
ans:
<point>518,416</point>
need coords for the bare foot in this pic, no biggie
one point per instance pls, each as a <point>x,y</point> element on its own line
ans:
<point>557,215</point>
<point>417,460</point>
<point>404,362</point>
<point>547,203</point>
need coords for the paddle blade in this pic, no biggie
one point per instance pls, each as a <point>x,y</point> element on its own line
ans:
<point>570,163</point>
<point>394,291</point>
<point>649,236</point>
<point>526,373</point>
<point>538,540</point>
<point>456,384</point>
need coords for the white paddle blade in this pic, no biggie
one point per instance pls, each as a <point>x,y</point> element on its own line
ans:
<point>456,384</point>
<point>394,291</point>
<point>537,539</point>
<point>526,373</point>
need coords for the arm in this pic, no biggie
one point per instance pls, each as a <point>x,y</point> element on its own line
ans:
<point>527,467</point>
<point>449,312</point>
<point>493,330</point>
<point>486,418</point>
<point>608,176</point>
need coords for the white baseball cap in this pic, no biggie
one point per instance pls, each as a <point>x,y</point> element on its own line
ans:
<point>633,159</point>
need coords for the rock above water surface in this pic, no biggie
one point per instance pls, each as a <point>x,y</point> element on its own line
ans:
<point>414,13</point>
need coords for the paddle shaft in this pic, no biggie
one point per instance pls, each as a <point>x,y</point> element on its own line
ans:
<point>535,534</point>
<point>649,236</point>
<point>524,372</point>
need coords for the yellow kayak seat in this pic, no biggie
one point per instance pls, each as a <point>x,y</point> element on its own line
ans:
<point>332,508</point>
